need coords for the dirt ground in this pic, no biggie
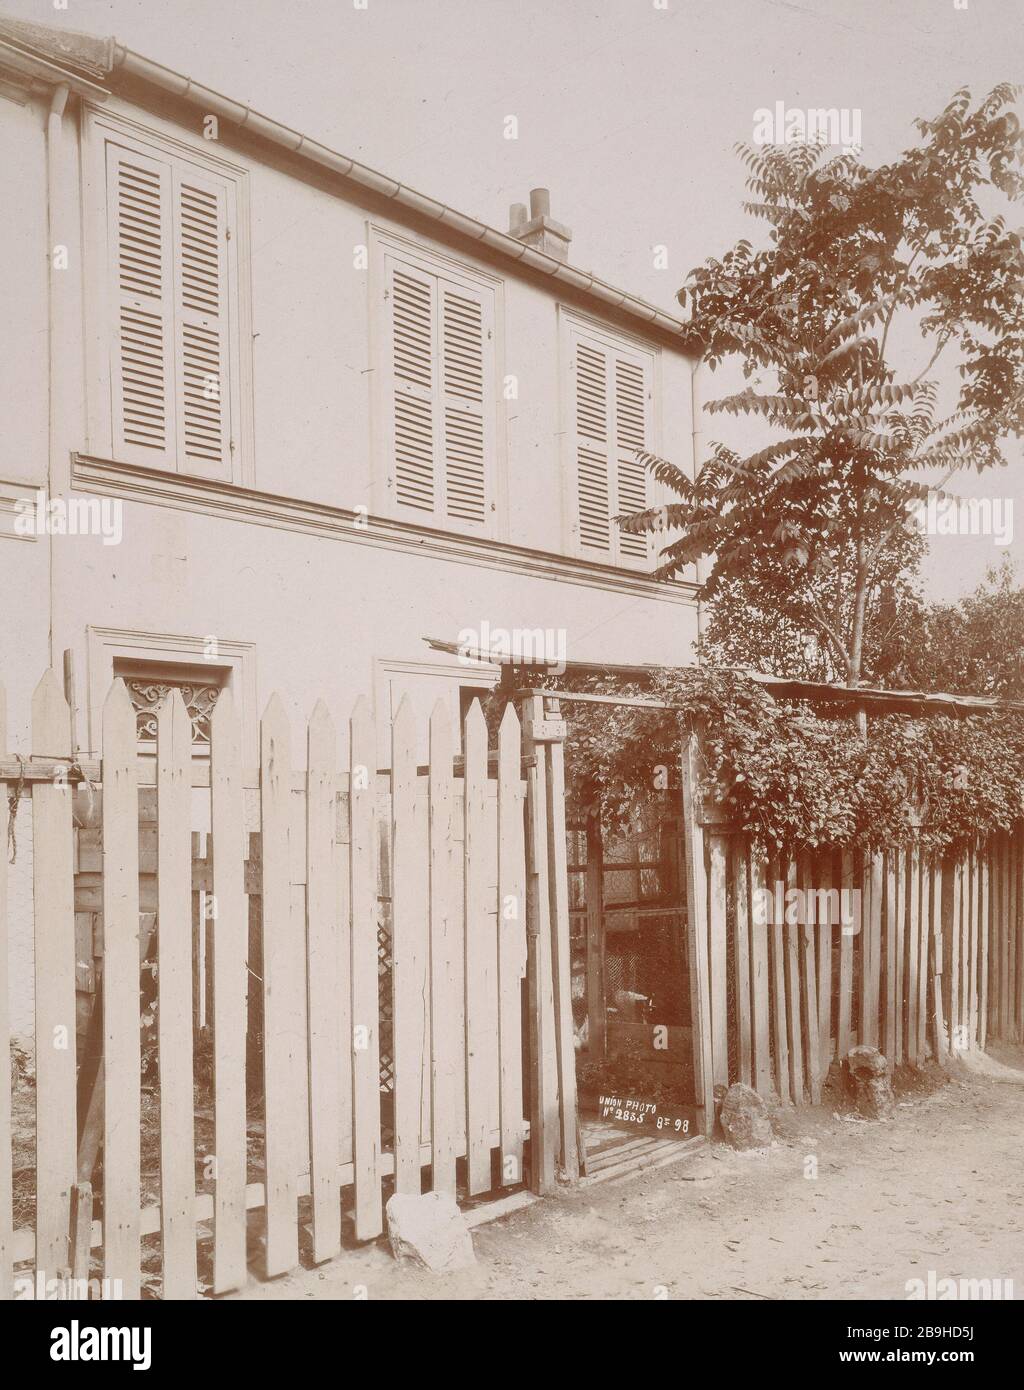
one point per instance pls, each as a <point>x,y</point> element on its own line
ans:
<point>940,1188</point>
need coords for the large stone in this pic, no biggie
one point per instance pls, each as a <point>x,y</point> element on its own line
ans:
<point>429,1230</point>
<point>868,1075</point>
<point>744,1118</point>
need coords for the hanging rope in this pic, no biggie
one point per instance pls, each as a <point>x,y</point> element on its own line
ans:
<point>13,799</point>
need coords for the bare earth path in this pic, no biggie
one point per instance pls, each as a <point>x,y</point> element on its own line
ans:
<point>939,1188</point>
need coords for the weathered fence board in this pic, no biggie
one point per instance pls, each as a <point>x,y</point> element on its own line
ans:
<point>230,985</point>
<point>174,1008</point>
<point>481,958</point>
<point>323,985</point>
<point>365,975</point>
<point>53,894</point>
<point>511,944</point>
<point>122,1113</point>
<point>279,966</point>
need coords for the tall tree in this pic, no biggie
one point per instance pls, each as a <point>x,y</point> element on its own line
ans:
<point>852,253</point>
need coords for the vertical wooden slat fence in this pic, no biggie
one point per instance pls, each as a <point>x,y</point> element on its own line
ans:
<point>925,962</point>
<point>270,947</point>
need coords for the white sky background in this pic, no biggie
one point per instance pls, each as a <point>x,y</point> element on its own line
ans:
<point>626,112</point>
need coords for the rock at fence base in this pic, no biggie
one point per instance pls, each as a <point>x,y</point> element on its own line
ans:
<point>429,1230</point>
<point>868,1073</point>
<point>744,1118</point>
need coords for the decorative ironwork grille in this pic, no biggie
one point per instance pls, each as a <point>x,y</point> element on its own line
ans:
<point>148,695</point>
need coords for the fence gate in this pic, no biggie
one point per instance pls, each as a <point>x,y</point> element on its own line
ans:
<point>267,996</point>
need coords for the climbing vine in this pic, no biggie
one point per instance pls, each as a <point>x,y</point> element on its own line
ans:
<point>796,779</point>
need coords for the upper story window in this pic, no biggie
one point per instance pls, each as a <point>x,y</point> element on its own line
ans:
<point>440,390</point>
<point>611,409</point>
<point>168,237</point>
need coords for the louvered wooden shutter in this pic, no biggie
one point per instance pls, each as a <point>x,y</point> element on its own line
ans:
<point>412,297</point>
<point>201,324</point>
<point>631,392</point>
<point>142,347</point>
<point>465,341</point>
<point>612,391</point>
<point>441,397</point>
<point>171,385</point>
<point>593,498</point>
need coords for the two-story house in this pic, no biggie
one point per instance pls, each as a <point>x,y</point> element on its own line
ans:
<point>337,415</point>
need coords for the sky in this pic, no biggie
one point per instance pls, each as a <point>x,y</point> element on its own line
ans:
<point>628,110</point>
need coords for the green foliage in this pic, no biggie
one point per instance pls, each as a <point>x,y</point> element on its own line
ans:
<point>790,778</point>
<point>975,646</point>
<point>810,317</point>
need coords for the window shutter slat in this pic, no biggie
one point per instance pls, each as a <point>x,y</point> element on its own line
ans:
<point>464,370</point>
<point>412,371</point>
<point>592,475</point>
<point>142,351</point>
<point>630,434</point>
<point>611,396</point>
<point>201,278</point>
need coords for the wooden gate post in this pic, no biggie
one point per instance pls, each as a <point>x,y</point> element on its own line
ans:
<point>554,733</point>
<point>540,995</point>
<point>697,929</point>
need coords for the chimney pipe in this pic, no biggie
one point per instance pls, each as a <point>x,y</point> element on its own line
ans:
<point>541,231</point>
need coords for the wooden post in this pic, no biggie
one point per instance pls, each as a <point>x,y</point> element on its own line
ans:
<point>364,972</point>
<point>741,956</point>
<point>511,944</point>
<point>544,1116</point>
<point>850,878</point>
<point>558,889</point>
<point>759,979</point>
<point>53,896</point>
<point>596,1005</point>
<point>718,957</point>
<point>697,929</point>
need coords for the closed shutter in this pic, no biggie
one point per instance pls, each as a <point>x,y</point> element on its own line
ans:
<point>592,479</point>
<point>441,397</point>
<point>412,297</point>
<point>612,400</point>
<point>465,342</point>
<point>142,327</point>
<point>201,324</point>
<point>171,386</point>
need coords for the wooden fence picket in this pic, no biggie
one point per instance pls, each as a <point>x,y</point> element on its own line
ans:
<point>410,977</point>
<point>53,895</point>
<point>122,1060</point>
<point>445,1078</point>
<point>924,933</point>
<point>741,957</point>
<point>230,986</point>
<point>323,986</point>
<point>280,1051</point>
<point>759,980</point>
<point>913,951</point>
<point>365,974</point>
<point>850,878</point>
<point>717,957</point>
<point>826,928</point>
<point>481,958</point>
<point>808,981</point>
<point>174,996</point>
<point>780,1035</point>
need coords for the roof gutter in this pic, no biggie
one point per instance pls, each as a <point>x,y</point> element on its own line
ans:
<point>51,74</point>
<point>244,117</point>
